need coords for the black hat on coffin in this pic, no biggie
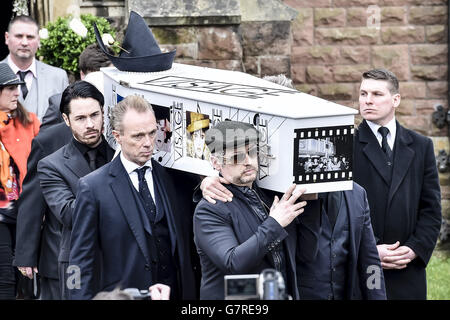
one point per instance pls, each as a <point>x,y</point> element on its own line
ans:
<point>144,54</point>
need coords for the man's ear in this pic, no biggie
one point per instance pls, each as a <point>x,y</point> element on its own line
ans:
<point>116,135</point>
<point>217,165</point>
<point>66,119</point>
<point>396,100</point>
<point>6,37</point>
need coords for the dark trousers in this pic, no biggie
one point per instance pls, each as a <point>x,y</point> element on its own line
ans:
<point>7,271</point>
<point>50,289</point>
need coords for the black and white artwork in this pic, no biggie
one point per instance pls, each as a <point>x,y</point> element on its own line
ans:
<point>164,132</point>
<point>323,154</point>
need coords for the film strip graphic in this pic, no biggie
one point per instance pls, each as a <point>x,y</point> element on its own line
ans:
<point>323,154</point>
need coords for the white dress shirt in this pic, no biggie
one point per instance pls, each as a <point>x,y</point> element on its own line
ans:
<point>30,75</point>
<point>130,167</point>
<point>391,125</point>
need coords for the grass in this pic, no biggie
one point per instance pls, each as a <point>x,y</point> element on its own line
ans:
<point>438,275</point>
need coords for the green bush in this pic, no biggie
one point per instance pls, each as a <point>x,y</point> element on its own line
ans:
<point>63,46</point>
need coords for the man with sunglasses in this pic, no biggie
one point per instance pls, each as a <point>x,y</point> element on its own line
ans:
<point>250,233</point>
<point>336,258</point>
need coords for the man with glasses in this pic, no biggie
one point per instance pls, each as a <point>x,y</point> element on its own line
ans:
<point>250,233</point>
<point>336,257</point>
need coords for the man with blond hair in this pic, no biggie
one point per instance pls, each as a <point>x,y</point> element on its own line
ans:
<point>126,214</point>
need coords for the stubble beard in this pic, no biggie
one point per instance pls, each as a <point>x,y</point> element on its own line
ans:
<point>248,179</point>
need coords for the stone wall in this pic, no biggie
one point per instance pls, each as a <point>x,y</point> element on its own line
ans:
<point>333,41</point>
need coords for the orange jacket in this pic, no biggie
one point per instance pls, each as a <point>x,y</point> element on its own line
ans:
<point>17,140</point>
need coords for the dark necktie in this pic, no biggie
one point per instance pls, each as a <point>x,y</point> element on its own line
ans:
<point>384,144</point>
<point>331,202</point>
<point>23,87</point>
<point>92,155</point>
<point>144,191</point>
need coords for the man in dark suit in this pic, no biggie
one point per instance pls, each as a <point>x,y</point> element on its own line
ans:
<point>38,231</point>
<point>248,234</point>
<point>128,227</point>
<point>397,168</point>
<point>53,114</point>
<point>81,106</point>
<point>345,263</point>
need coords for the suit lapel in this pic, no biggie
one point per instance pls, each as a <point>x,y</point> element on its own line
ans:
<point>373,151</point>
<point>403,156</point>
<point>354,218</point>
<point>172,221</point>
<point>75,161</point>
<point>121,187</point>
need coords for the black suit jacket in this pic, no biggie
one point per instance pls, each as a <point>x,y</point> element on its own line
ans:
<point>231,240</point>
<point>107,221</point>
<point>52,115</point>
<point>38,231</point>
<point>408,209</point>
<point>59,174</point>
<point>363,264</point>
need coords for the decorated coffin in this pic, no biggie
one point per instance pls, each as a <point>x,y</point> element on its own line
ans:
<point>305,140</point>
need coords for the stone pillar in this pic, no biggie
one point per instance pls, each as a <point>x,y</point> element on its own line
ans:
<point>245,35</point>
<point>266,37</point>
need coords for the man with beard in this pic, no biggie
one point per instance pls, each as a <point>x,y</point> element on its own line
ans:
<point>81,108</point>
<point>248,234</point>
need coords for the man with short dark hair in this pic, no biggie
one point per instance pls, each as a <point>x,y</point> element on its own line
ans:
<point>82,110</point>
<point>397,167</point>
<point>91,60</point>
<point>129,214</point>
<point>89,63</point>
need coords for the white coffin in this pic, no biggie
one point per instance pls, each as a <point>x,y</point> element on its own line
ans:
<point>306,140</point>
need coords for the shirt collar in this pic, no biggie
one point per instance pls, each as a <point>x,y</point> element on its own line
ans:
<point>131,166</point>
<point>15,69</point>
<point>391,125</point>
<point>83,148</point>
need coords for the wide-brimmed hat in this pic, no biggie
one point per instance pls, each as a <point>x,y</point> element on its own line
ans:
<point>230,134</point>
<point>198,121</point>
<point>8,77</point>
<point>144,54</point>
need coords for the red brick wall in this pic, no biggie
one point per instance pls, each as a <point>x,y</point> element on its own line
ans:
<point>332,44</point>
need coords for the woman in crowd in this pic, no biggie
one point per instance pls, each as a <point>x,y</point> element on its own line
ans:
<point>17,128</point>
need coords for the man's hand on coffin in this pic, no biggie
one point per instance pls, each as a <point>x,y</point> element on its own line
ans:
<point>285,210</point>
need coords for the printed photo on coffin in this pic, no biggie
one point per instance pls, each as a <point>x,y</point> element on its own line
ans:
<point>323,154</point>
